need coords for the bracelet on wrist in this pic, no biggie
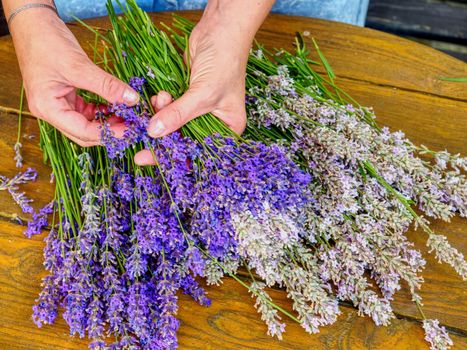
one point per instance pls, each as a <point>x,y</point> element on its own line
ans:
<point>30,6</point>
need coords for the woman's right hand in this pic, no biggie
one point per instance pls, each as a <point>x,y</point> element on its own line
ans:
<point>53,66</point>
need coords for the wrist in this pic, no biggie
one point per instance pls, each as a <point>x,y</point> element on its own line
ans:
<point>26,23</point>
<point>227,32</point>
<point>9,6</point>
<point>30,42</point>
<point>239,19</point>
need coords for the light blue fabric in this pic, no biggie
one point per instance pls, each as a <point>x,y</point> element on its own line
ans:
<point>349,11</point>
<point>68,9</point>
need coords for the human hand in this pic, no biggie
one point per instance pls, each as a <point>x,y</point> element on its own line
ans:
<point>217,82</point>
<point>53,66</point>
<point>218,54</point>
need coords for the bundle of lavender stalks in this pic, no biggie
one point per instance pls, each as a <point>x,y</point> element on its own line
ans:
<point>314,198</point>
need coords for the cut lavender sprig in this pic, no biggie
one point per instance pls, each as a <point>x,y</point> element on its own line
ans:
<point>11,185</point>
<point>18,157</point>
<point>39,220</point>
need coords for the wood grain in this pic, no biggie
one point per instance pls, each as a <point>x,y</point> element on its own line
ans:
<point>230,323</point>
<point>40,191</point>
<point>405,94</point>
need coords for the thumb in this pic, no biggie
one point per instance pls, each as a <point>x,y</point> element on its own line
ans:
<point>175,115</point>
<point>96,80</point>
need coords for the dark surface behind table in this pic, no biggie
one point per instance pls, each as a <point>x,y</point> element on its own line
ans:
<point>438,23</point>
<point>3,26</point>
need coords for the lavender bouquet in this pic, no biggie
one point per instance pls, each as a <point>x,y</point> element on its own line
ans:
<point>314,198</point>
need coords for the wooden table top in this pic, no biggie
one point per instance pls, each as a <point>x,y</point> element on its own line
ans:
<point>397,77</point>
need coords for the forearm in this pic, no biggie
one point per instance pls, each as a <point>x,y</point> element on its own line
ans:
<point>242,18</point>
<point>32,29</point>
<point>25,25</point>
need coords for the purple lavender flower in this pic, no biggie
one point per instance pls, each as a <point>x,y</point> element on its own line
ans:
<point>23,201</point>
<point>39,220</point>
<point>12,186</point>
<point>139,310</point>
<point>242,177</point>
<point>136,119</point>
<point>45,310</point>
<point>114,222</point>
<point>137,83</point>
<point>95,318</point>
<point>116,313</point>
<point>123,185</point>
<point>166,289</point>
<point>192,288</point>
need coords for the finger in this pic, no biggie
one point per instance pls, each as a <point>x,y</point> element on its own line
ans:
<point>145,157</point>
<point>176,114</point>
<point>76,125</point>
<point>84,108</point>
<point>234,118</point>
<point>88,133</point>
<point>77,141</point>
<point>94,79</point>
<point>113,119</point>
<point>161,100</point>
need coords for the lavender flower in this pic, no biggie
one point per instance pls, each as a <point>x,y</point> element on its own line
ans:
<point>268,313</point>
<point>39,220</point>
<point>306,213</point>
<point>448,254</point>
<point>436,335</point>
<point>18,157</point>
<point>45,311</point>
<point>12,186</point>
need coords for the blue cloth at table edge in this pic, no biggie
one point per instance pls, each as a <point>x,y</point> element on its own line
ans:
<point>348,11</point>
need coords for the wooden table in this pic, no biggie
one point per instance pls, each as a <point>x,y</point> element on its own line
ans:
<point>397,77</point>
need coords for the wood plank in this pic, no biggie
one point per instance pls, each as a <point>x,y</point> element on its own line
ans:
<point>458,51</point>
<point>444,293</point>
<point>230,323</point>
<point>354,52</point>
<point>40,191</point>
<point>436,19</point>
<point>433,121</point>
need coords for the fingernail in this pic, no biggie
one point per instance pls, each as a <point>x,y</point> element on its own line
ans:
<point>157,129</point>
<point>130,96</point>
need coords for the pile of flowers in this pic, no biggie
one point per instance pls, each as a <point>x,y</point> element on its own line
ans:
<point>314,198</point>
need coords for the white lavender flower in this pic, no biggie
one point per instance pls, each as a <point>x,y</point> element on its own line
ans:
<point>311,296</point>
<point>334,141</point>
<point>263,240</point>
<point>213,273</point>
<point>436,335</point>
<point>18,157</point>
<point>448,254</point>
<point>150,73</point>
<point>272,246</point>
<point>269,314</point>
